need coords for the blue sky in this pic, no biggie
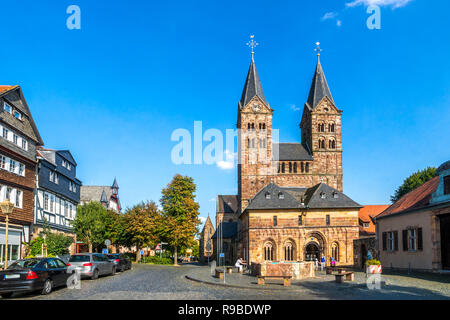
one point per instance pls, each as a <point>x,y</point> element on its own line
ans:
<point>114,91</point>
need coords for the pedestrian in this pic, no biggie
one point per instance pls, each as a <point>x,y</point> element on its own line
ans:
<point>322,262</point>
<point>333,262</point>
<point>239,265</point>
<point>317,264</point>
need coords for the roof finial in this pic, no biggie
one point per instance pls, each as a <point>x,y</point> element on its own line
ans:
<point>318,50</point>
<point>252,44</point>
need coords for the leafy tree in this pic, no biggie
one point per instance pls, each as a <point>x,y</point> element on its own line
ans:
<point>413,181</point>
<point>141,226</point>
<point>89,224</point>
<point>58,244</point>
<point>180,213</point>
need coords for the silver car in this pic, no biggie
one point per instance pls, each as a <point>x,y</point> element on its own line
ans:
<point>91,265</point>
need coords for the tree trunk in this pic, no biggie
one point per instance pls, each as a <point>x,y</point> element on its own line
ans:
<point>90,247</point>
<point>175,257</point>
<point>138,254</point>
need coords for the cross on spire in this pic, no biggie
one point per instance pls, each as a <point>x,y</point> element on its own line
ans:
<point>317,49</point>
<point>252,44</point>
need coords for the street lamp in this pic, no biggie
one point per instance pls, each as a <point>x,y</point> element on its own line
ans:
<point>7,208</point>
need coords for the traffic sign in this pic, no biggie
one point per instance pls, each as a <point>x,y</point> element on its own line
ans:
<point>222,255</point>
<point>142,252</point>
<point>158,247</point>
<point>107,242</point>
<point>105,251</point>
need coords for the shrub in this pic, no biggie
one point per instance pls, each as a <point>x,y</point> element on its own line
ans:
<point>157,260</point>
<point>373,262</point>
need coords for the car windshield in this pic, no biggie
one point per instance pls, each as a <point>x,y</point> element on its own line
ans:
<point>24,264</point>
<point>113,256</point>
<point>81,258</point>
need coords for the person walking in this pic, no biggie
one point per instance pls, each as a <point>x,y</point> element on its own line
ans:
<point>316,261</point>
<point>322,262</point>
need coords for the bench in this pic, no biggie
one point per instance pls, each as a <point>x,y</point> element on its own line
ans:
<point>344,276</point>
<point>219,274</point>
<point>286,279</point>
<point>230,269</point>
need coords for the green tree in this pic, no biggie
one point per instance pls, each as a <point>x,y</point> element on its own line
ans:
<point>141,226</point>
<point>413,181</point>
<point>89,224</point>
<point>180,213</point>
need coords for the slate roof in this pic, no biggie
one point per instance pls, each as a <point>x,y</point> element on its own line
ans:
<point>228,204</point>
<point>299,198</point>
<point>291,151</point>
<point>252,87</point>
<point>13,95</point>
<point>319,88</point>
<point>418,198</point>
<point>229,230</point>
<point>94,193</point>
<point>443,167</point>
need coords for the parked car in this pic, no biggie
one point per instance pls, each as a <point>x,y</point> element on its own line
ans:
<point>121,261</point>
<point>28,275</point>
<point>91,265</point>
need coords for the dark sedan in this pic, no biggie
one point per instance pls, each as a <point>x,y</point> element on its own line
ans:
<point>35,274</point>
<point>122,263</point>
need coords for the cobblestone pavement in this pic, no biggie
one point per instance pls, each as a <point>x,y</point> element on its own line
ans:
<point>151,282</point>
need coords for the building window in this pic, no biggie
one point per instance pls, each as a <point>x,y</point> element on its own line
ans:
<point>17,115</point>
<point>268,196</point>
<point>332,144</point>
<point>281,196</point>
<point>21,169</point>
<point>327,219</point>
<point>412,239</point>
<point>275,221</point>
<point>24,144</point>
<point>366,225</point>
<point>282,168</point>
<point>300,220</point>
<point>302,167</point>
<point>7,107</point>
<point>290,167</point>
<point>5,133</point>
<point>46,205</point>
<point>52,176</point>
<point>18,200</point>
<point>390,241</point>
<point>12,165</point>
<point>268,252</point>
<point>447,185</point>
<point>335,251</point>
<point>288,251</point>
<point>295,167</point>
<point>66,209</point>
<point>321,143</point>
<point>15,139</point>
<point>307,167</point>
<point>279,167</point>
<point>3,162</point>
<point>331,127</point>
<point>321,127</point>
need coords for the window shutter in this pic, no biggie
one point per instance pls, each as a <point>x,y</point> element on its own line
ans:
<point>419,239</point>
<point>395,240</point>
<point>384,240</point>
<point>405,240</point>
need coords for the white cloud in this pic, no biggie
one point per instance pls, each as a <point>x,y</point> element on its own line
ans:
<point>202,219</point>
<point>339,23</point>
<point>228,164</point>
<point>294,107</point>
<point>212,200</point>
<point>329,15</point>
<point>393,3</point>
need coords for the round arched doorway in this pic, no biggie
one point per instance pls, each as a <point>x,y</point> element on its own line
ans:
<point>312,252</point>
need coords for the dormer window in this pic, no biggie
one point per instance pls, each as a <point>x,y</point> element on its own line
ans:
<point>447,185</point>
<point>281,196</point>
<point>335,195</point>
<point>268,196</point>
<point>17,115</point>
<point>7,107</point>
<point>366,225</point>
<point>323,195</point>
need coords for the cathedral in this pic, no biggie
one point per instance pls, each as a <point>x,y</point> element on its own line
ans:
<point>290,204</point>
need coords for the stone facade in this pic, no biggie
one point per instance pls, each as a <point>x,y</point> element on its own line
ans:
<point>206,248</point>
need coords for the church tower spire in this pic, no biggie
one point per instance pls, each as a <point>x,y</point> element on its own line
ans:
<point>252,87</point>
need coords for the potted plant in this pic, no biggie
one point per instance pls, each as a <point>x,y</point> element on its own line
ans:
<point>373,266</point>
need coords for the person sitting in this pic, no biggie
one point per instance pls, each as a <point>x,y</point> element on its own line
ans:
<point>239,264</point>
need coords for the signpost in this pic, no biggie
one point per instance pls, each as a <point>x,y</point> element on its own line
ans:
<point>159,247</point>
<point>105,251</point>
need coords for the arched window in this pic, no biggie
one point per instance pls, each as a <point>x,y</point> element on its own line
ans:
<point>268,251</point>
<point>331,127</point>
<point>282,168</point>
<point>321,143</point>
<point>248,126</point>
<point>302,165</point>
<point>295,167</point>
<point>290,167</point>
<point>260,126</point>
<point>332,144</point>
<point>289,251</point>
<point>335,251</point>
<point>279,167</point>
<point>253,126</point>
<point>307,167</point>
<point>321,127</point>
<point>264,126</point>
<point>248,143</point>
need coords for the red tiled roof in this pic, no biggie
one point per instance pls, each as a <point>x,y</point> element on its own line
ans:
<point>367,213</point>
<point>6,88</point>
<point>418,198</point>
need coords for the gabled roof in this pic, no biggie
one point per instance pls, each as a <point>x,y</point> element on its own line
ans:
<point>290,151</point>
<point>14,96</point>
<point>104,198</point>
<point>417,199</point>
<point>66,154</point>
<point>319,88</point>
<point>366,214</point>
<point>252,87</point>
<point>208,222</point>
<point>320,196</point>
<point>115,184</point>
<point>227,204</point>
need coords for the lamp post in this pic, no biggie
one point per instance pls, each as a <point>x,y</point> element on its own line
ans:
<point>7,208</point>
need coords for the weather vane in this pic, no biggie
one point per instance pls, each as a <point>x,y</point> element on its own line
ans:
<point>252,44</point>
<point>317,49</point>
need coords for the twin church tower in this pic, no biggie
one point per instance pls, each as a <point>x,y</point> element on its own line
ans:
<point>317,158</point>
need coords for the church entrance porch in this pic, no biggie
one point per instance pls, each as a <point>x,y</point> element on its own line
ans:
<point>312,252</point>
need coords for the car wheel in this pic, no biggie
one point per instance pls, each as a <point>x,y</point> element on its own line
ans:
<point>113,272</point>
<point>94,275</point>
<point>7,295</point>
<point>48,286</point>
